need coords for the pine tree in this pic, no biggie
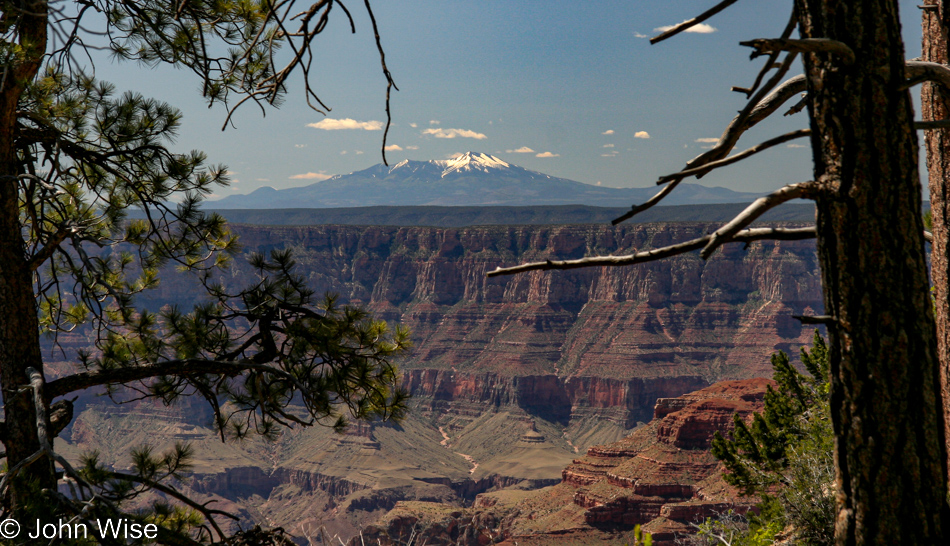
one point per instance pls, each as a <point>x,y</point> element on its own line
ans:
<point>785,455</point>
<point>76,158</point>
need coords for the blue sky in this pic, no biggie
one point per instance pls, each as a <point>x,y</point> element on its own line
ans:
<point>577,84</point>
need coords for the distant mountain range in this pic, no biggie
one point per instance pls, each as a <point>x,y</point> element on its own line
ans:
<point>470,179</point>
<point>441,216</point>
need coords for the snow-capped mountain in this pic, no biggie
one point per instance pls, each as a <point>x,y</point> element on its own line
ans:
<point>472,178</point>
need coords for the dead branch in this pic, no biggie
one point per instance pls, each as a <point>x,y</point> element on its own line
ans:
<point>36,384</point>
<point>735,158</point>
<point>745,236</point>
<point>769,64</point>
<point>807,45</point>
<point>758,207</point>
<point>692,22</point>
<point>935,124</point>
<point>754,112</point>
<point>921,71</point>
<point>749,117</point>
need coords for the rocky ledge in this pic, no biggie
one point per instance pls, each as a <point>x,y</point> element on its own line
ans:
<point>663,477</point>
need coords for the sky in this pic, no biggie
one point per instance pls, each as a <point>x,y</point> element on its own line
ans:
<point>570,89</point>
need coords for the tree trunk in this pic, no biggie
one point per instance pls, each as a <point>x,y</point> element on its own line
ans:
<point>935,104</point>
<point>19,327</point>
<point>886,405</point>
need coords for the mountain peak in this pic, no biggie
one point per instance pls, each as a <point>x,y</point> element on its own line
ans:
<point>472,161</point>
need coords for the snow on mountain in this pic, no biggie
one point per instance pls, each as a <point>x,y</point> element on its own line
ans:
<point>471,161</point>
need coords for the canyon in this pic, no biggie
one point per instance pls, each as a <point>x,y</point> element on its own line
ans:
<point>512,378</point>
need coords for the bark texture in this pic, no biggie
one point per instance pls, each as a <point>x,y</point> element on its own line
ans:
<point>19,327</point>
<point>935,105</point>
<point>886,404</point>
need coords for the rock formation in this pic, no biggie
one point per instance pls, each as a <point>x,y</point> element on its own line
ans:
<point>662,477</point>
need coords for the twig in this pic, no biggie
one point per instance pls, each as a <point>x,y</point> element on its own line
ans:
<point>390,84</point>
<point>745,236</point>
<point>815,319</point>
<point>692,22</point>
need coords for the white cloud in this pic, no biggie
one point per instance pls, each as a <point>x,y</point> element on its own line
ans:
<point>521,150</point>
<point>598,183</point>
<point>412,147</point>
<point>608,145</point>
<point>797,146</point>
<point>701,28</point>
<point>311,176</point>
<point>358,152</point>
<point>330,124</point>
<point>262,179</point>
<point>453,133</point>
<point>547,154</point>
<point>413,125</point>
<point>639,35</point>
<point>300,145</point>
<point>608,155</point>
<point>608,132</point>
<point>393,148</point>
<point>641,134</point>
<point>343,152</point>
<point>434,122</point>
<point>708,140</point>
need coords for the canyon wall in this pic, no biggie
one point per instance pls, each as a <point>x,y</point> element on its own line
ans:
<point>719,318</point>
<point>716,319</point>
<point>512,377</point>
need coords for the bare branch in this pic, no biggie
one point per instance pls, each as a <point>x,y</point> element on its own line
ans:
<point>807,45</point>
<point>745,236</point>
<point>921,71</point>
<point>770,63</point>
<point>753,211</point>
<point>36,383</point>
<point>755,111</point>
<point>692,22</point>
<point>735,158</point>
<point>935,124</point>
